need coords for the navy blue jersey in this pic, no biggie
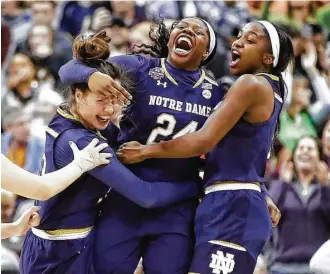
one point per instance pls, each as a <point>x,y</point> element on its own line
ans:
<point>78,205</point>
<point>242,154</point>
<point>167,103</point>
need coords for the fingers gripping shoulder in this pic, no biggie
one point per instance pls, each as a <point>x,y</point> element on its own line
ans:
<point>82,138</point>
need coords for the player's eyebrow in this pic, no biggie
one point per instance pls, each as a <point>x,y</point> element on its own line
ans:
<point>254,33</point>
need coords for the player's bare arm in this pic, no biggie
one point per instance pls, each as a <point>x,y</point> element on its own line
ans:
<point>21,182</point>
<point>243,99</point>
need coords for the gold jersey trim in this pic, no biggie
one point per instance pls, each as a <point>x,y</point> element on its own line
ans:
<point>198,83</point>
<point>75,118</point>
<point>228,244</point>
<point>60,232</point>
<point>272,76</point>
<point>52,132</point>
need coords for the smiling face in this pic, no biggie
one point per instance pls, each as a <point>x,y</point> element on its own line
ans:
<point>251,52</point>
<point>188,44</point>
<point>306,155</point>
<point>94,110</point>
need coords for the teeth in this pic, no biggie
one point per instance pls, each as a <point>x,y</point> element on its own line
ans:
<point>182,51</point>
<point>183,38</point>
<point>236,52</point>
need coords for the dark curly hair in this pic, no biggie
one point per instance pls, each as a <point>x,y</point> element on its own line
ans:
<point>160,34</point>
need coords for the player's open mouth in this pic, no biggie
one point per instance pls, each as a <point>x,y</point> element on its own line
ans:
<point>183,45</point>
<point>103,119</point>
<point>235,58</point>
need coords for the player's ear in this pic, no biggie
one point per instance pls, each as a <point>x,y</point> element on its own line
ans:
<point>268,59</point>
<point>205,55</point>
<point>78,95</point>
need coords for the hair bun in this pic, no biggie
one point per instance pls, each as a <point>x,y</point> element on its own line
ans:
<point>92,47</point>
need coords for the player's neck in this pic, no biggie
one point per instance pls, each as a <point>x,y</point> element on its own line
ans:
<point>186,67</point>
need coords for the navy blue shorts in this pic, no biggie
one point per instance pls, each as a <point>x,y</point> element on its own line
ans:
<point>126,232</point>
<point>231,228</point>
<point>41,256</point>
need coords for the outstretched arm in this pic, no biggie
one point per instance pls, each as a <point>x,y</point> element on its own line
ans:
<point>242,96</point>
<point>30,218</point>
<point>23,183</point>
<point>145,194</point>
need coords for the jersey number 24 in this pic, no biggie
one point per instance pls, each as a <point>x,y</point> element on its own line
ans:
<point>168,130</point>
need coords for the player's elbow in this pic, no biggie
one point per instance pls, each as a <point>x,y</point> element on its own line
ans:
<point>149,204</point>
<point>44,194</point>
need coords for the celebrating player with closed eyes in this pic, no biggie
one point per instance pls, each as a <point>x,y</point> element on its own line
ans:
<point>63,241</point>
<point>23,183</point>
<point>172,96</point>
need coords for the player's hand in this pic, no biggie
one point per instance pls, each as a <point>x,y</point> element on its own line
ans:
<point>30,218</point>
<point>274,212</point>
<point>104,84</point>
<point>131,153</point>
<point>91,156</point>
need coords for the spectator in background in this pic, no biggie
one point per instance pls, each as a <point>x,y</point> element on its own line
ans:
<point>323,16</point>
<point>139,34</point>
<point>128,11</point>
<point>115,28</point>
<point>17,143</point>
<point>294,13</point>
<point>303,196</point>
<point>44,13</point>
<point>41,46</point>
<point>17,17</point>
<point>25,92</point>
<point>119,34</point>
<point>77,16</point>
<point>7,48</point>
<point>296,121</point>
<point>9,261</point>
<point>6,41</point>
<point>8,206</point>
<point>326,142</point>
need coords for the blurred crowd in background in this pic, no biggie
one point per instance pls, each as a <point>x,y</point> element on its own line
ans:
<point>36,39</point>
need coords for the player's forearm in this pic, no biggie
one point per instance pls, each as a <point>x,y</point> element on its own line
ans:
<point>9,230</point>
<point>75,72</point>
<point>145,194</point>
<point>55,182</point>
<point>190,145</point>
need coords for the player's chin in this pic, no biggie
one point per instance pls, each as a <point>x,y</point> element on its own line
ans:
<point>237,70</point>
<point>101,125</point>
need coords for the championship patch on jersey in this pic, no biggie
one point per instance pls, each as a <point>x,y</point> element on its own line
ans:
<point>207,94</point>
<point>156,73</point>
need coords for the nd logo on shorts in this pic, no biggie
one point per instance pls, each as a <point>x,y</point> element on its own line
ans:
<point>221,263</point>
